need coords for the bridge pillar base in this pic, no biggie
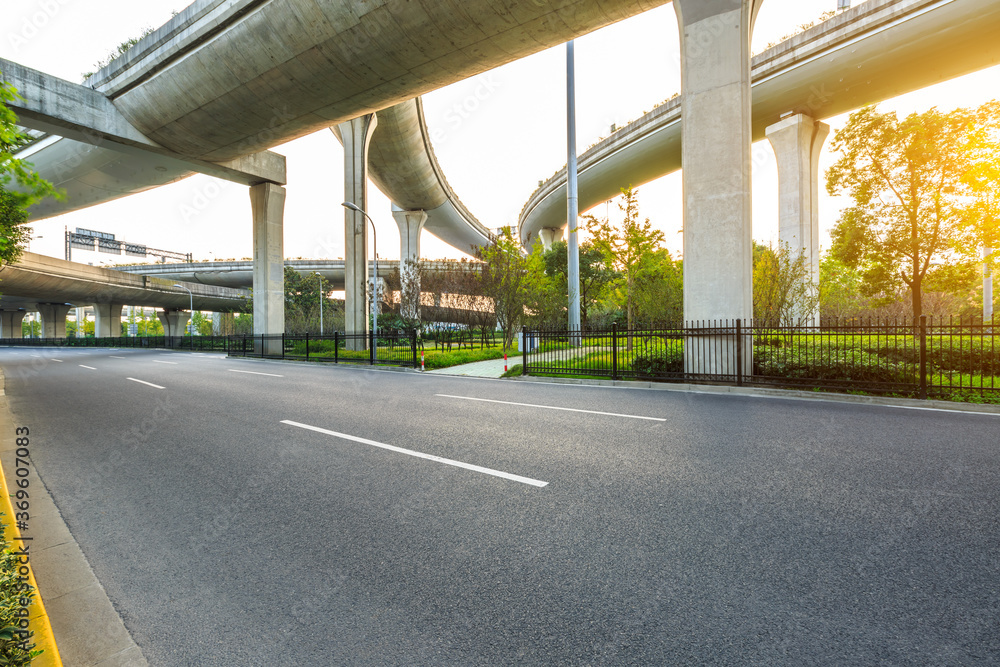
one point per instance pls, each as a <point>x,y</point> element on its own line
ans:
<point>797,142</point>
<point>10,323</point>
<point>715,154</point>
<point>53,319</point>
<point>107,320</point>
<point>356,136</point>
<point>268,203</point>
<point>410,224</point>
<point>174,323</point>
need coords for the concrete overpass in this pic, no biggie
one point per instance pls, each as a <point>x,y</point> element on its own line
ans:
<point>873,52</point>
<point>52,286</point>
<point>239,274</point>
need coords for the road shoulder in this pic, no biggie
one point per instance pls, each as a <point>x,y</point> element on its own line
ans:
<point>80,617</point>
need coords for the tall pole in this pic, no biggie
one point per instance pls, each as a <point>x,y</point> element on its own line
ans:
<point>320,275</point>
<point>572,198</point>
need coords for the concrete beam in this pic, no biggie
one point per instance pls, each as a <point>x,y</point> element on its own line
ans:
<point>67,109</point>
<point>10,323</point>
<point>410,224</point>
<point>356,136</point>
<point>268,202</point>
<point>53,319</point>
<point>718,246</point>
<point>550,235</point>
<point>107,320</point>
<point>797,142</point>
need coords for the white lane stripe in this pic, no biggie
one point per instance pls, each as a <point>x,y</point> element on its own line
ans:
<point>157,361</point>
<point>553,407</point>
<point>114,357</point>
<point>254,373</point>
<point>421,455</point>
<point>90,367</point>
<point>58,361</point>
<point>146,383</point>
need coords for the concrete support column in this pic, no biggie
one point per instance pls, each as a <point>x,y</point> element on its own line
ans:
<point>549,235</point>
<point>53,319</point>
<point>716,138</point>
<point>174,322</point>
<point>268,203</point>
<point>410,224</point>
<point>356,136</point>
<point>10,323</point>
<point>797,142</point>
<point>107,320</point>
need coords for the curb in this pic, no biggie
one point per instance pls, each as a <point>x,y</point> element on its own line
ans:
<point>764,392</point>
<point>76,608</point>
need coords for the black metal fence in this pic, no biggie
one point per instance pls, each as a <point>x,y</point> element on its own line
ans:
<point>930,358</point>
<point>198,343</point>
<point>394,348</point>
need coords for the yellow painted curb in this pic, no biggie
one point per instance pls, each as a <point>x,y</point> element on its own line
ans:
<point>38,619</point>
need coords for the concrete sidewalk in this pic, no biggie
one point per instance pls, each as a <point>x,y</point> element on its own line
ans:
<point>491,368</point>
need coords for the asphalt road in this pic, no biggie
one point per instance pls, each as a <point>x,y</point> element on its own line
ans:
<point>737,530</point>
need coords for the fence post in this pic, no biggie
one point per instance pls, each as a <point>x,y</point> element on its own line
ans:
<point>336,347</point>
<point>307,346</point>
<point>923,356</point>
<point>614,350</point>
<point>413,345</point>
<point>739,352</point>
<point>371,348</point>
<point>524,351</point>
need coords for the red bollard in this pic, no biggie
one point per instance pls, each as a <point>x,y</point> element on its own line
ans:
<point>421,361</point>
<point>504,362</point>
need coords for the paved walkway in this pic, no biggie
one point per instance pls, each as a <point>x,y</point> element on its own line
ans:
<point>491,368</point>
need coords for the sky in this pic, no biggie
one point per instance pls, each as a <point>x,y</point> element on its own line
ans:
<point>495,135</point>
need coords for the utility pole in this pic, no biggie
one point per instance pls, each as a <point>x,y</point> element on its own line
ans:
<point>572,198</point>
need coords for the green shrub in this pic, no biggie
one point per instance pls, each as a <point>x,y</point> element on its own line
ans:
<point>12,591</point>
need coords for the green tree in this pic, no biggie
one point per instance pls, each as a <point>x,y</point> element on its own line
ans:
<point>504,279</point>
<point>595,275</point>
<point>302,303</point>
<point>783,292</point>
<point>20,185</point>
<point>904,177</point>
<point>659,293</point>
<point>626,248</point>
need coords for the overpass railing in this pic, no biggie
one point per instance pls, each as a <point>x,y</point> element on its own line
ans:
<point>953,358</point>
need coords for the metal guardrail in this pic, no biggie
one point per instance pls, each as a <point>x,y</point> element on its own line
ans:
<point>929,358</point>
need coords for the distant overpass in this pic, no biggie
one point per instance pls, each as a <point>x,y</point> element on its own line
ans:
<point>238,274</point>
<point>52,286</point>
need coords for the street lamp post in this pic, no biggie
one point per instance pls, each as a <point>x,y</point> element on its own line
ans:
<point>320,301</point>
<point>191,323</point>
<point>353,207</point>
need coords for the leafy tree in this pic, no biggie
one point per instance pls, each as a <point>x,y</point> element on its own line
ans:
<point>627,247</point>
<point>783,292</point>
<point>20,186</point>
<point>595,275</point>
<point>904,177</point>
<point>659,294</point>
<point>504,279</point>
<point>302,303</point>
